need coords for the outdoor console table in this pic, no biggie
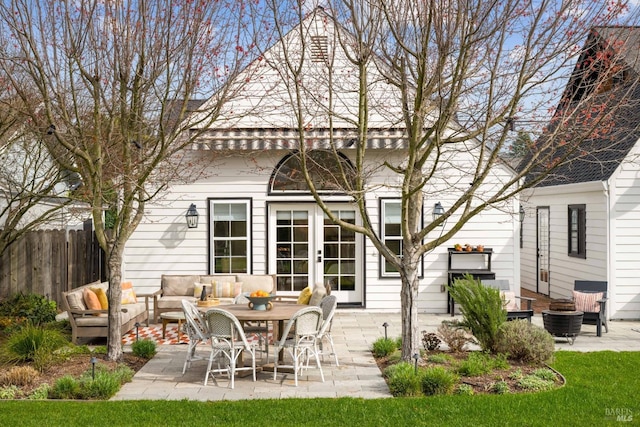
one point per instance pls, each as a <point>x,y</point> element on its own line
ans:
<point>565,324</point>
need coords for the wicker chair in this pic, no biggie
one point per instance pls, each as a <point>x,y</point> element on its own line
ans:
<point>328,306</point>
<point>304,327</point>
<point>197,331</point>
<point>228,341</point>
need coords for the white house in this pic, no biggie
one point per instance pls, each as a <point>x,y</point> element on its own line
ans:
<point>583,223</point>
<point>255,216</point>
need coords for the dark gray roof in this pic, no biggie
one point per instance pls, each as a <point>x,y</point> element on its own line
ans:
<point>599,156</point>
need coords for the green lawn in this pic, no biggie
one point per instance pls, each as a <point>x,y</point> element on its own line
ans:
<point>599,385</point>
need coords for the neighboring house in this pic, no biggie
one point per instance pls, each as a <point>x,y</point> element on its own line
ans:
<point>256,216</point>
<point>584,221</point>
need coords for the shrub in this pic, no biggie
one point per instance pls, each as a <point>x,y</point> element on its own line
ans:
<point>37,309</point>
<point>437,380</point>
<point>454,335</point>
<point>545,374</point>
<point>403,380</point>
<point>464,389</point>
<point>481,308</point>
<point>500,387</point>
<point>479,363</point>
<point>430,340</point>
<point>65,387</point>
<point>438,358</point>
<point>144,348</point>
<point>535,383</point>
<point>33,344</point>
<point>19,376</point>
<point>103,386</point>
<point>9,392</point>
<point>42,392</point>
<point>384,346</point>
<point>521,340</point>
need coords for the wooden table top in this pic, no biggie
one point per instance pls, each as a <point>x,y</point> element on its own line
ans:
<point>280,311</point>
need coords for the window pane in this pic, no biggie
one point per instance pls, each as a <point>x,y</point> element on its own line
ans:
<point>221,229</point>
<point>392,212</point>
<point>238,228</point>
<point>392,230</point>
<point>238,247</point>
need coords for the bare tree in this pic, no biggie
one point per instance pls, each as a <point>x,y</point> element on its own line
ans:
<point>32,188</point>
<point>115,81</point>
<point>457,76</point>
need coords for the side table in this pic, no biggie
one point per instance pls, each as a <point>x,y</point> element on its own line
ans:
<point>565,324</point>
<point>172,317</point>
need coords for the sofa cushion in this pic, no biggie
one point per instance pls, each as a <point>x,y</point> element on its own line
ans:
<point>256,282</point>
<point>178,284</point>
<point>102,297</point>
<point>510,301</point>
<point>226,288</point>
<point>588,301</point>
<point>171,301</point>
<point>305,296</point>
<point>76,301</point>
<point>91,299</point>
<point>319,292</point>
<point>99,320</point>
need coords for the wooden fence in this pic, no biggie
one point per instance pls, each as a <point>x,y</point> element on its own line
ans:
<point>49,262</point>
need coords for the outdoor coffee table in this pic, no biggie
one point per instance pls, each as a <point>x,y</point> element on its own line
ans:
<point>172,317</point>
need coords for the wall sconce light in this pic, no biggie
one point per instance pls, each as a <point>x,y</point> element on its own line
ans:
<point>192,216</point>
<point>438,211</point>
<point>522,214</point>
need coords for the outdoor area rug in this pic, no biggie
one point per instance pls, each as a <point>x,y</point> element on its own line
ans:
<point>154,332</point>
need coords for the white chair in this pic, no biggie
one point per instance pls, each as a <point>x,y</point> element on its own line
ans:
<point>259,329</point>
<point>196,329</point>
<point>228,341</point>
<point>304,326</point>
<point>328,306</point>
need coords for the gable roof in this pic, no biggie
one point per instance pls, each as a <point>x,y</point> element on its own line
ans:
<point>260,112</point>
<point>598,157</point>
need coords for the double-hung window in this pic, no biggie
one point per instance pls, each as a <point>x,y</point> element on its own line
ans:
<point>230,231</point>
<point>577,224</point>
<point>391,233</point>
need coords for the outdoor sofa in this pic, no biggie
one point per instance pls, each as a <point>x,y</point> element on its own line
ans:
<point>93,323</point>
<point>223,287</point>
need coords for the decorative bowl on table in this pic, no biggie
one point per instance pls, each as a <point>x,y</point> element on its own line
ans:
<point>260,303</point>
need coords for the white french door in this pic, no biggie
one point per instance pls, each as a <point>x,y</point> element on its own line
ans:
<point>542,248</point>
<point>306,248</point>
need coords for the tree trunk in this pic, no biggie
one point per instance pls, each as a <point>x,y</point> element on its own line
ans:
<point>114,337</point>
<point>409,311</point>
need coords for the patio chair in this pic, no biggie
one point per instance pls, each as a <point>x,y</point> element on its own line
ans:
<point>304,326</point>
<point>328,306</point>
<point>590,297</point>
<point>258,329</point>
<point>196,329</point>
<point>514,309</point>
<point>228,342</point>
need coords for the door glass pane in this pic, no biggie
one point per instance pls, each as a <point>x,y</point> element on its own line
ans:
<point>292,243</point>
<point>339,253</point>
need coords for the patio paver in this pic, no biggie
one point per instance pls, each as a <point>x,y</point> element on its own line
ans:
<point>354,332</point>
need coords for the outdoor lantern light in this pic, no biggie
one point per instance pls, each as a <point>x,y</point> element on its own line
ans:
<point>438,211</point>
<point>137,325</point>
<point>93,367</point>
<point>521,214</point>
<point>192,216</point>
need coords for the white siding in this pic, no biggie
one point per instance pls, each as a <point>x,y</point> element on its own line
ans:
<point>563,268</point>
<point>625,243</point>
<point>162,244</point>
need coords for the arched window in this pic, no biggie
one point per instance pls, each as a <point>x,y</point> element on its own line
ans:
<point>328,175</point>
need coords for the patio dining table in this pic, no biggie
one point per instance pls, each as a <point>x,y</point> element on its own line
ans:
<point>279,313</point>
